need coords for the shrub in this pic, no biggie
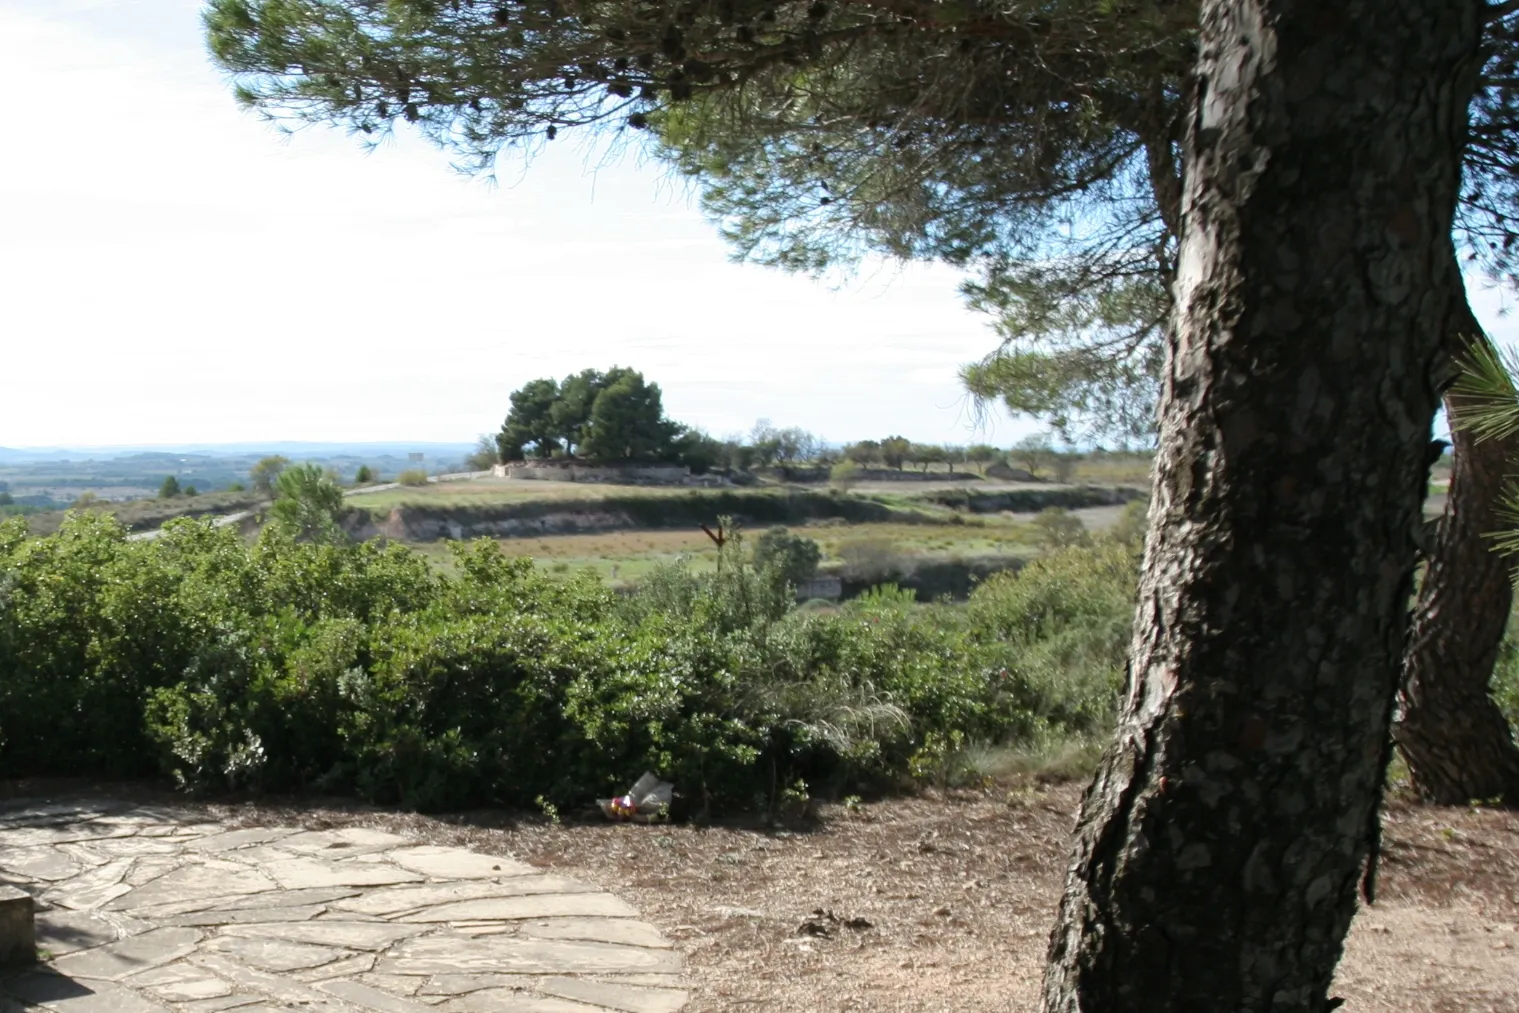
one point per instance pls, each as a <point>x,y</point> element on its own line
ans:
<point>412,477</point>
<point>1058,528</point>
<point>845,474</point>
<point>786,557</point>
<point>870,558</point>
<point>308,502</point>
<point>1133,524</point>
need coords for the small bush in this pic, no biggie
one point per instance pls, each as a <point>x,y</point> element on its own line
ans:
<point>787,558</point>
<point>412,477</point>
<point>1058,528</point>
<point>870,558</point>
<point>845,474</point>
<point>1133,524</point>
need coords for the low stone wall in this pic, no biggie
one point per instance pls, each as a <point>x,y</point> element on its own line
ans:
<point>662,474</point>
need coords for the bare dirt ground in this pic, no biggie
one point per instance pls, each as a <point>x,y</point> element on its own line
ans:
<point>943,902</point>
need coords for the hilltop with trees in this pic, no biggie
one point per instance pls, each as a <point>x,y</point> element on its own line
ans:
<point>616,416</point>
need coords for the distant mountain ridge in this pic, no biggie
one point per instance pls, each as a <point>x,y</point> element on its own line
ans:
<point>293,449</point>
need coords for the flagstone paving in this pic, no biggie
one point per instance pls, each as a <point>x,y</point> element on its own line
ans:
<point>148,909</point>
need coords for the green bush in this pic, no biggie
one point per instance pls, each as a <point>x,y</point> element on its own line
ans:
<point>285,664</point>
<point>786,557</point>
<point>412,477</point>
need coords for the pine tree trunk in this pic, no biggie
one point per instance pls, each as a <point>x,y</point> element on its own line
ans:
<point>1220,846</point>
<point>1457,743</point>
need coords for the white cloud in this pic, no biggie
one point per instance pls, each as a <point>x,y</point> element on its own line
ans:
<point>173,271</point>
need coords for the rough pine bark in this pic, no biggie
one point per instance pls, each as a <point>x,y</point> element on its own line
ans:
<point>1458,745</point>
<point>1221,843</point>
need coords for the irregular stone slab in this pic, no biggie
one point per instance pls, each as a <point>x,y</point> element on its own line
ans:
<point>276,954</point>
<point>658,980</point>
<point>444,954</point>
<point>328,932</point>
<point>600,930</point>
<point>395,984</point>
<point>456,863</point>
<point>401,899</point>
<point>244,1003</point>
<point>18,929</point>
<point>61,931</point>
<point>207,986</point>
<point>342,843</point>
<point>24,813</point>
<point>232,839</point>
<point>147,868</point>
<point>220,916</point>
<point>47,837</point>
<point>360,963</point>
<point>254,902</point>
<point>628,998</point>
<point>131,847</point>
<point>93,889</point>
<point>86,856</point>
<point>299,873</point>
<point>165,974</point>
<point>510,1000</point>
<point>284,990</point>
<point>552,905</point>
<point>65,995</point>
<point>49,864</point>
<point>370,998</point>
<point>208,878</point>
<point>117,960</point>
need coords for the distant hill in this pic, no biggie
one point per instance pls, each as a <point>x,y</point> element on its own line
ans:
<point>295,450</point>
<point>55,476</point>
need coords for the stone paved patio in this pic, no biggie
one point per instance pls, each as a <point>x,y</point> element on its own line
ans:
<point>142,909</point>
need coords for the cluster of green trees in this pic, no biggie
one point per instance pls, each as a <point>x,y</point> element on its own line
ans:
<point>294,661</point>
<point>612,416</point>
<point>1035,453</point>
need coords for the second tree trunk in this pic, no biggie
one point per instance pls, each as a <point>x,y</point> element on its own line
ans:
<point>1458,745</point>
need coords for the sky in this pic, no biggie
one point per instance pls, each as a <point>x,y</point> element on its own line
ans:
<point>174,271</point>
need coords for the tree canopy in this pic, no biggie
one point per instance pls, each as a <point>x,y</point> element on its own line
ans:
<point>611,416</point>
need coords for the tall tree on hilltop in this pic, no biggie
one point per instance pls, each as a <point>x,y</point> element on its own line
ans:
<point>577,396</point>
<point>628,422</point>
<point>1220,845</point>
<point>530,422</point>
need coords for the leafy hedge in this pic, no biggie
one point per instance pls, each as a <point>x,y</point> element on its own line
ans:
<point>280,665</point>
